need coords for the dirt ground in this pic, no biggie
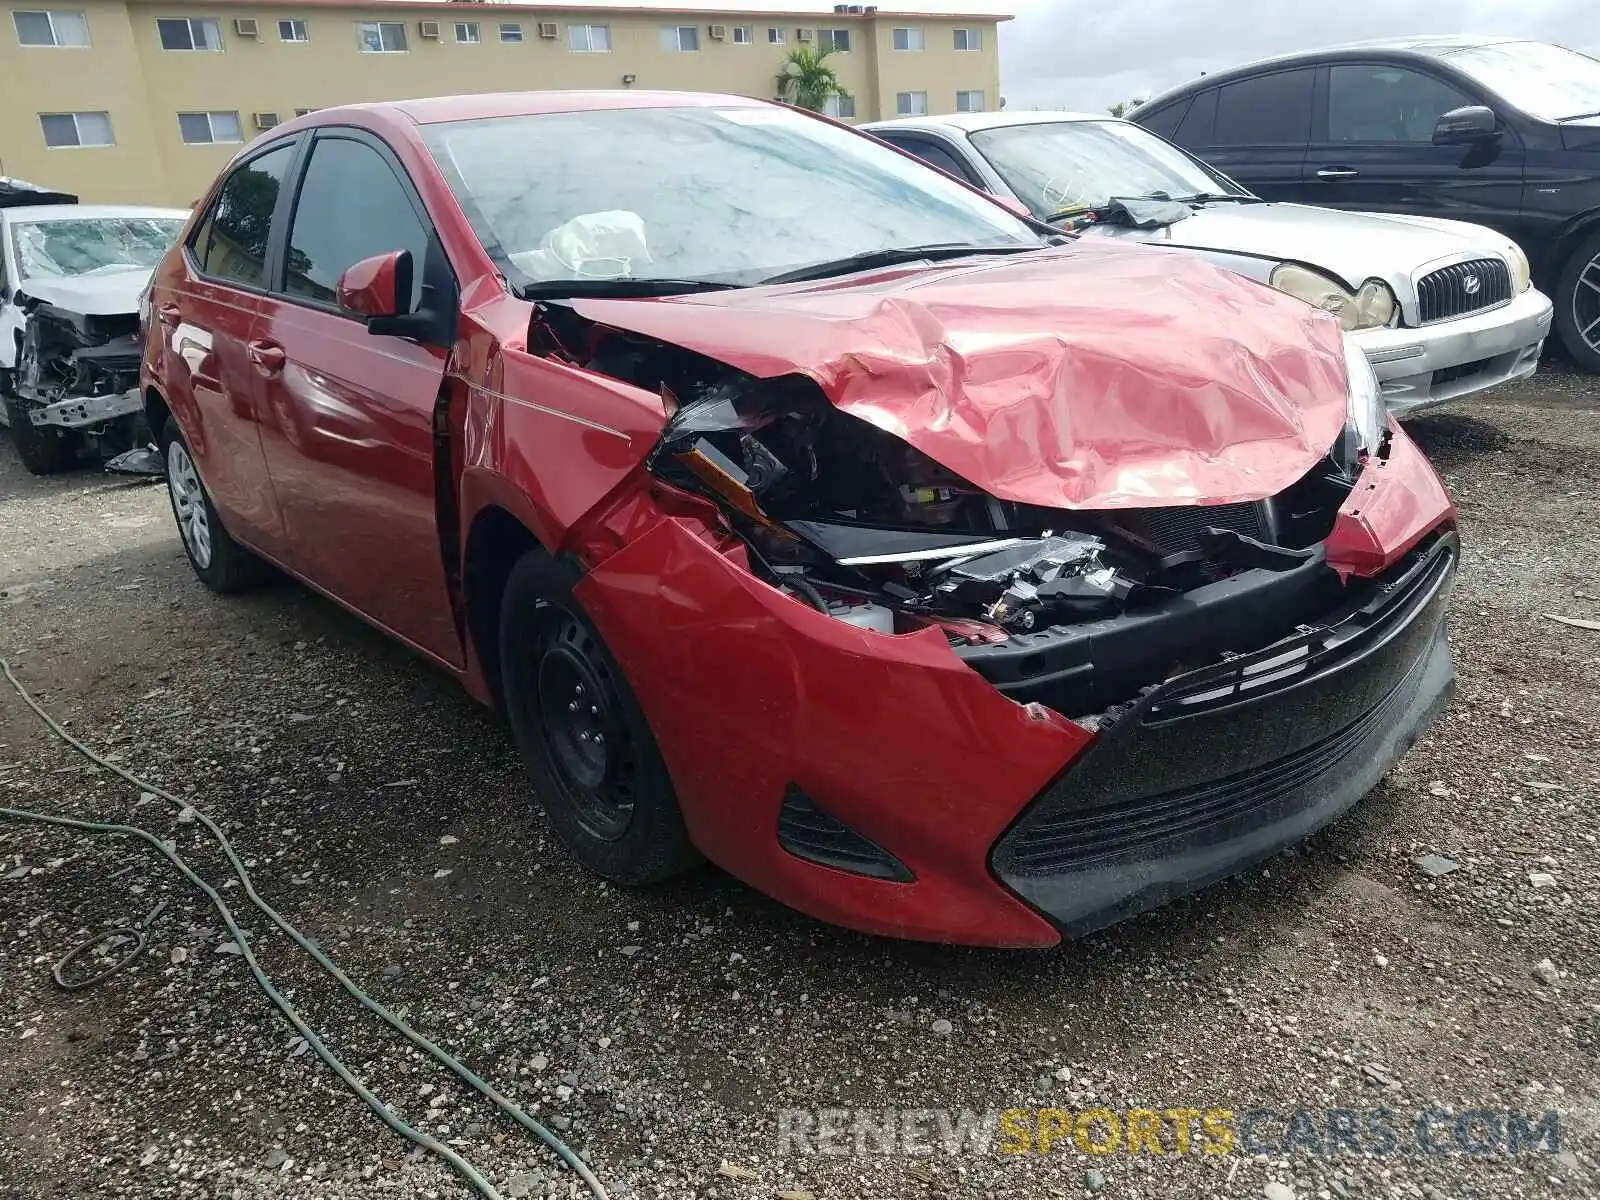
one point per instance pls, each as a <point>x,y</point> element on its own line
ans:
<point>664,1031</point>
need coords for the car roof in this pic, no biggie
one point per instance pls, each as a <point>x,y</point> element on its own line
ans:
<point>433,110</point>
<point>973,122</point>
<point>60,212</point>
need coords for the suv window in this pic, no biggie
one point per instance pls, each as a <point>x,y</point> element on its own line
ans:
<point>351,206</point>
<point>1198,122</point>
<point>1269,110</point>
<point>1164,121</point>
<point>933,155</point>
<point>231,242</point>
<point>1376,103</point>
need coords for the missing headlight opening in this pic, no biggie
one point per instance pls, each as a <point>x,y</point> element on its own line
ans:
<point>1076,608</point>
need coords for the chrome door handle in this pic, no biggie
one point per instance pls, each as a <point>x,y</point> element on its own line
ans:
<point>1337,173</point>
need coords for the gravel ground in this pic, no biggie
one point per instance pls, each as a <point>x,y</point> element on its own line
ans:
<point>664,1031</point>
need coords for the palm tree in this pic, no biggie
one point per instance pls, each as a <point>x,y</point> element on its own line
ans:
<point>807,81</point>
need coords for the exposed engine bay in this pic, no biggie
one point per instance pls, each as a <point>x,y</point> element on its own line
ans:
<point>1078,608</point>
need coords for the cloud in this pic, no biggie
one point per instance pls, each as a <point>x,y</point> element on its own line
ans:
<point>1073,56</point>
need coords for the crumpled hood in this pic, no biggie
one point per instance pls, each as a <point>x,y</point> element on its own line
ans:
<point>1093,376</point>
<point>1354,246</point>
<point>92,295</point>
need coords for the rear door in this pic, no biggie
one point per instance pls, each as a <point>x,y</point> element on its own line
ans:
<point>1255,130</point>
<point>349,428</point>
<point>1373,149</point>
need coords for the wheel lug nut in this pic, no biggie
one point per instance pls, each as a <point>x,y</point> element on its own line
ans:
<point>593,712</point>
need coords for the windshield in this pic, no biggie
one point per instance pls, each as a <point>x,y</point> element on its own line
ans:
<point>59,248</point>
<point>1066,165</point>
<point>1549,82</point>
<point>720,195</point>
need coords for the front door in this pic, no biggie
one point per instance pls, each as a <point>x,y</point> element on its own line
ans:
<point>350,415</point>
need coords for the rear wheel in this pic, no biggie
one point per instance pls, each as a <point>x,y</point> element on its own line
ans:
<point>1577,302</point>
<point>222,564</point>
<point>44,449</point>
<point>594,762</point>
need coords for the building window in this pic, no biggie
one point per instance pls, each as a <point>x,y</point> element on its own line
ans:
<point>908,38</point>
<point>189,33</point>
<point>589,39</point>
<point>842,107</point>
<point>293,31</point>
<point>510,31</point>
<point>911,104</point>
<point>64,130</point>
<point>303,112</point>
<point>969,39</point>
<point>683,38</point>
<point>969,102</point>
<point>467,33</point>
<point>382,37</point>
<point>51,28</point>
<point>837,40</point>
<point>776,36</point>
<point>205,128</point>
<point>743,35</point>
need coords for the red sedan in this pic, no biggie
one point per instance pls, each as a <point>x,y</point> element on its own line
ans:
<point>936,573</point>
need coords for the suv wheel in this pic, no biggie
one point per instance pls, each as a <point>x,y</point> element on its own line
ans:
<point>1577,303</point>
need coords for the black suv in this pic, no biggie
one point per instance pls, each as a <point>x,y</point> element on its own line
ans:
<point>1502,133</point>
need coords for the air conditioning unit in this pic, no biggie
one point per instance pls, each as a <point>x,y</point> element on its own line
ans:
<point>547,29</point>
<point>265,120</point>
<point>245,27</point>
<point>719,33</point>
<point>428,29</point>
<point>802,35</point>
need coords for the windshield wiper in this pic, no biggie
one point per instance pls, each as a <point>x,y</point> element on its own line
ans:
<point>890,258</point>
<point>559,289</point>
<point>1578,117</point>
<point>1216,197</point>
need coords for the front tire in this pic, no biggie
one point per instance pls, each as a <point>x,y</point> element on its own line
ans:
<point>595,764</point>
<point>1577,302</point>
<point>44,449</point>
<point>222,564</point>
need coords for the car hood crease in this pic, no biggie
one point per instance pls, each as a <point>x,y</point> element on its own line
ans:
<point>1095,376</point>
<point>111,294</point>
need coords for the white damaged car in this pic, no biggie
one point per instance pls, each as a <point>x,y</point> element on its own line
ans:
<point>71,276</point>
<point>1441,308</point>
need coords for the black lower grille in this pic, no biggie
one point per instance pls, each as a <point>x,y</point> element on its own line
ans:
<point>1462,288</point>
<point>1177,528</point>
<point>807,832</point>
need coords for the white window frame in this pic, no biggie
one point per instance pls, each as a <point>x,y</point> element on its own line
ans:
<point>910,108</point>
<point>972,35</point>
<point>296,25</point>
<point>514,28</point>
<point>378,27</point>
<point>982,101</point>
<point>828,38</point>
<point>744,35</point>
<point>835,106</point>
<point>77,131</point>
<point>473,34</point>
<point>588,46</point>
<point>673,34</point>
<point>211,125</point>
<point>914,39</point>
<point>776,35</point>
<point>213,23</point>
<point>50,15</point>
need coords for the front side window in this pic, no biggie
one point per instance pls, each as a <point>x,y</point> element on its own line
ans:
<point>589,39</point>
<point>1268,110</point>
<point>510,32</point>
<point>1064,166</point>
<point>684,38</point>
<point>51,28</point>
<point>776,36</point>
<point>837,40</point>
<point>382,37</point>
<point>933,155</point>
<point>911,104</point>
<point>231,242</point>
<point>467,32</point>
<point>969,102</point>
<point>908,38</point>
<point>204,128</point>
<point>293,31</point>
<point>60,248</point>
<point>969,39</point>
<point>1386,104</point>
<point>728,195</point>
<point>1545,81</point>
<point>351,206</point>
<point>63,130</point>
<point>189,33</point>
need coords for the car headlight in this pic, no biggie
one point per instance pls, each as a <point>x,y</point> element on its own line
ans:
<point>1369,414</point>
<point>1521,273</point>
<point>1369,307</point>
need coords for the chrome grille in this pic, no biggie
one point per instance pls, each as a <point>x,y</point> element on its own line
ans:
<point>1462,288</point>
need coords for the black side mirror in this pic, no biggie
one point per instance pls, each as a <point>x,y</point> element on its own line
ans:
<point>1466,126</point>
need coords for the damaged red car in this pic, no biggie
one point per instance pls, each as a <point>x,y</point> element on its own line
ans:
<point>932,571</point>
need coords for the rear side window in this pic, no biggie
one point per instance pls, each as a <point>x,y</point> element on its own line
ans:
<point>1269,110</point>
<point>1165,121</point>
<point>1376,103</point>
<point>231,243</point>
<point>352,206</point>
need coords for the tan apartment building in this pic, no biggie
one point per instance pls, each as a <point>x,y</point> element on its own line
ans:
<point>142,101</point>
